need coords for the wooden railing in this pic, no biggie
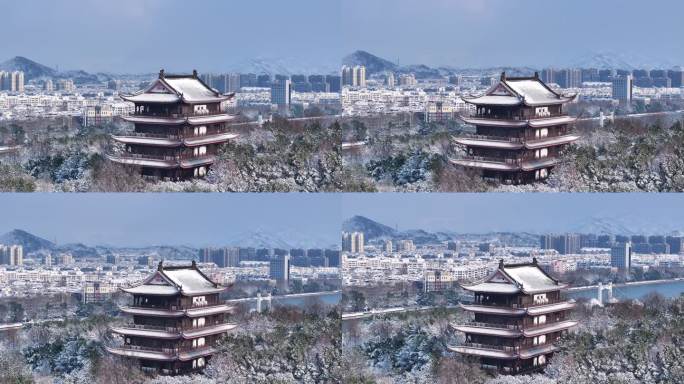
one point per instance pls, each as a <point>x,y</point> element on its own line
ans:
<point>176,115</point>
<point>490,159</point>
<point>489,325</point>
<point>522,306</point>
<point>491,138</point>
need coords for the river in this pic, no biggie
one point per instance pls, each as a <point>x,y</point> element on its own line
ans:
<point>666,288</point>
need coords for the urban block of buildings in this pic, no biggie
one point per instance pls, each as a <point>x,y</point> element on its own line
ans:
<point>179,125</point>
<point>519,314</point>
<point>521,130</point>
<point>177,318</point>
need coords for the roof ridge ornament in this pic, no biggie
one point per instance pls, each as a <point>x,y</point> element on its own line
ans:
<point>194,73</point>
<point>160,266</point>
<point>503,76</point>
<point>161,73</point>
<point>501,263</point>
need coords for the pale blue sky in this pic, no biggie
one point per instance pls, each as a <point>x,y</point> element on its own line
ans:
<point>480,33</point>
<point>519,212</point>
<point>127,36</point>
<point>171,219</point>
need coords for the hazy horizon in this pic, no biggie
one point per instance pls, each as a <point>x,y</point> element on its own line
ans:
<point>475,213</point>
<point>149,219</point>
<point>141,36</point>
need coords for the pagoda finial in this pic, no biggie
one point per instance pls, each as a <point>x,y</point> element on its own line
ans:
<point>501,263</point>
<point>160,266</point>
<point>194,73</point>
<point>503,76</point>
<point>161,73</point>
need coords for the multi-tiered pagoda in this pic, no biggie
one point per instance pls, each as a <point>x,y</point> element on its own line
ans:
<point>179,125</point>
<point>518,315</point>
<point>176,320</point>
<point>521,130</point>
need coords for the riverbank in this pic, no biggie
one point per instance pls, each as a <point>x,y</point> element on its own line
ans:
<point>631,283</point>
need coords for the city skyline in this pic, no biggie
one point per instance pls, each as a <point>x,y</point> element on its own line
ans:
<point>540,213</point>
<point>152,219</point>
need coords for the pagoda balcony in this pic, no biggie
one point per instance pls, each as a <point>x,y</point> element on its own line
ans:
<point>513,352</point>
<point>149,135</point>
<point>517,306</point>
<point>491,163</point>
<point>497,330</point>
<point>154,332</point>
<point>207,330</point>
<point>499,142</point>
<point>173,141</point>
<point>488,325</point>
<point>150,327</point>
<point>179,311</point>
<point>513,330</point>
<point>514,117</point>
<point>506,348</point>
<point>550,141</point>
<point>147,353</point>
<point>152,311</point>
<point>483,350</point>
<point>493,309</point>
<point>150,161</point>
<point>162,161</point>
<point>176,115</point>
<point>505,164</point>
<point>543,329</point>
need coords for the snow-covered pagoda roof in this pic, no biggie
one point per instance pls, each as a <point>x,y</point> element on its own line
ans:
<point>526,278</point>
<point>170,89</point>
<point>512,91</point>
<point>176,280</point>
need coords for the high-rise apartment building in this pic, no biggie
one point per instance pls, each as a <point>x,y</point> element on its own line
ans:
<point>360,75</point>
<point>353,242</point>
<point>281,92</point>
<point>354,76</point>
<point>389,80</point>
<point>12,81</point>
<point>11,255</point>
<point>566,244</point>
<point>222,257</point>
<point>622,88</point>
<point>621,256</point>
<point>279,268</point>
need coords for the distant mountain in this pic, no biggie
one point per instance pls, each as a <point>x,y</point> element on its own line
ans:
<point>28,241</point>
<point>370,228</point>
<point>33,70</point>
<point>284,66</point>
<point>373,64</point>
<point>615,60</point>
<point>629,225</point>
<point>30,68</point>
<point>377,65</point>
